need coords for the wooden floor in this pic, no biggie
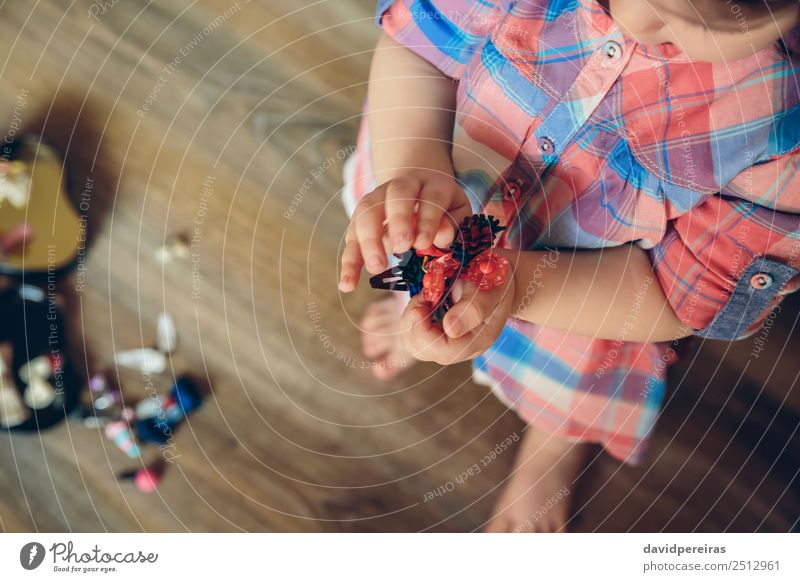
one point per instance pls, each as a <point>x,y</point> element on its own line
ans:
<point>215,119</point>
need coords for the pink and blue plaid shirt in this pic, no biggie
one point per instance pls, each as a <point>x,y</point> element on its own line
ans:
<point>577,137</point>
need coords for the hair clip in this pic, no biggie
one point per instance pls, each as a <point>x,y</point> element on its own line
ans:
<point>433,271</point>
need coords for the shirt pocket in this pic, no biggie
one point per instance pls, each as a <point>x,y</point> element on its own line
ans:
<point>501,94</point>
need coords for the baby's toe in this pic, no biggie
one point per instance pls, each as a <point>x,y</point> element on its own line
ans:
<point>377,345</point>
<point>387,368</point>
<point>498,524</point>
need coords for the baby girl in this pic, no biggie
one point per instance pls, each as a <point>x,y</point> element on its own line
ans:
<point>644,156</point>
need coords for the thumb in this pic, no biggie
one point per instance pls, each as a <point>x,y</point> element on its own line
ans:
<point>470,309</point>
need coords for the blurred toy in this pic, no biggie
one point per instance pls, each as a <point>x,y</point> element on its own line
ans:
<point>157,418</point>
<point>146,479</point>
<point>150,360</point>
<point>106,406</point>
<point>106,397</point>
<point>119,432</point>
<point>15,183</point>
<point>39,393</point>
<point>16,240</point>
<point>146,360</point>
<point>41,233</point>
<point>33,340</point>
<point>433,271</point>
<point>12,410</point>
<point>176,248</point>
<point>166,333</point>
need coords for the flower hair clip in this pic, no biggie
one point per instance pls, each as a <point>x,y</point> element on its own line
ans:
<point>433,271</point>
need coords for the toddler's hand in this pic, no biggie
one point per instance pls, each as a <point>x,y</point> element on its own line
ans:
<point>418,209</point>
<point>469,328</point>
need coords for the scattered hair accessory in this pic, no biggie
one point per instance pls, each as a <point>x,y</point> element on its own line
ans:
<point>105,396</point>
<point>166,333</point>
<point>120,433</point>
<point>15,241</point>
<point>146,360</point>
<point>106,405</point>
<point>176,248</point>
<point>15,182</point>
<point>157,420</point>
<point>34,346</point>
<point>39,393</point>
<point>12,410</point>
<point>150,360</point>
<point>146,479</point>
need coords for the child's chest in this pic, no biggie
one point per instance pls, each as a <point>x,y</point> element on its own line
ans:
<point>579,137</point>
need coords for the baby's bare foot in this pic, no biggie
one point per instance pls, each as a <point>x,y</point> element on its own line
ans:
<point>536,496</point>
<point>380,338</point>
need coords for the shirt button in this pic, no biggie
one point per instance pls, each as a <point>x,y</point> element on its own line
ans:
<point>761,281</point>
<point>612,50</point>
<point>512,189</point>
<point>546,145</point>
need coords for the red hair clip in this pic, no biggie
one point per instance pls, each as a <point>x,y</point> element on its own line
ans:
<point>488,270</point>
<point>432,271</point>
<point>433,282</point>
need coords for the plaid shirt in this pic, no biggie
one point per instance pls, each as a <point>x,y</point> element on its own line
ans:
<point>577,137</point>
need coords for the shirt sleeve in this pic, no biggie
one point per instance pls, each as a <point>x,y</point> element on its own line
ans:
<point>725,264</point>
<point>446,33</point>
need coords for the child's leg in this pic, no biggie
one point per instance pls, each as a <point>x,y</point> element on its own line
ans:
<point>536,495</point>
<point>569,389</point>
<point>380,337</point>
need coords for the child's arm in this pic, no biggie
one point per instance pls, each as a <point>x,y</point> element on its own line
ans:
<point>410,108</point>
<point>608,294</point>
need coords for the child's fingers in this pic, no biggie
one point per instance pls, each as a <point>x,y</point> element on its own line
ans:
<point>415,315</point>
<point>451,220</point>
<point>426,341</point>
<point>445,234</point>
<point>434,200</point>
<point>419,335</point>
<point>471,309</point>
<point>401,197</point>
<point>352,261</point>
<point>447,210</point>
<point>368,218</point>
